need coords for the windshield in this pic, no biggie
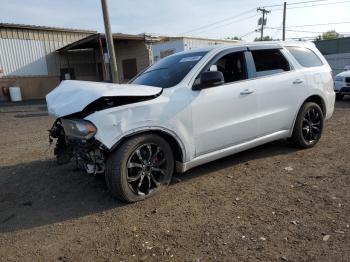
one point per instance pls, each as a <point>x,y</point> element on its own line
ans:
<point>170,70</point>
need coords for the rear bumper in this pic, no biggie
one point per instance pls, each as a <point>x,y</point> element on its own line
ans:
<point>330,102</point>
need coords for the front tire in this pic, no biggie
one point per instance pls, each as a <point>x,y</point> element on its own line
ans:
<point>308,126</point>
<point>139,168</point>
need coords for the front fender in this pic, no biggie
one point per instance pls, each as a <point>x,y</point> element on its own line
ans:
<point>114,124</point>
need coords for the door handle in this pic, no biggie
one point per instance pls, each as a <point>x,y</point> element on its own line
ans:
<point>297,81</point>
<point>247,91</point>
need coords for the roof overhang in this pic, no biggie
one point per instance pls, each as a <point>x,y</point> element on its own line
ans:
<point>93,41</point>
<point>46,28</point>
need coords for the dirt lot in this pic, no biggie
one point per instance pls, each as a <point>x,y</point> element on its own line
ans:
<point>272,203</point>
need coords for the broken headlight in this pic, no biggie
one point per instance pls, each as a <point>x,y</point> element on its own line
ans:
<point>77,128</point>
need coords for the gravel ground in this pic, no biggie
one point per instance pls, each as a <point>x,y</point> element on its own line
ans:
<point>271,203</point>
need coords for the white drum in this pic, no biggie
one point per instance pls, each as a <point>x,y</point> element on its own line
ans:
<point>15,94</point>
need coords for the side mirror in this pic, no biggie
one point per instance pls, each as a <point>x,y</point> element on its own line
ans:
<point>209,79</point>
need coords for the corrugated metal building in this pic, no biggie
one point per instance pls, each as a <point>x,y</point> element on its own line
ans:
<point>171,45</point>
<point>28,58</point>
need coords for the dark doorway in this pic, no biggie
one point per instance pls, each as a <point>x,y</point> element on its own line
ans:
<point>67,74</point>
<point>129,68</point>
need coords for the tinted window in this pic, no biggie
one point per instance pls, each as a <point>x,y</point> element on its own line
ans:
<point>269,62</point>
<point>170,70</point>
<point>232,66</point>
<point>305,56</point>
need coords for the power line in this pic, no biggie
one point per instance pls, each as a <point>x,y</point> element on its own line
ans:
<point>249,33</point>
<point>235,21</point>
<point>305,6</point>
<point>300,31</point>
<point>297,3</point>
<point>337,23</point>
<point>220,21</point>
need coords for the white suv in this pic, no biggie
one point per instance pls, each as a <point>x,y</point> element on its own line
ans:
<point>191,108</point>
<point>342,83</point>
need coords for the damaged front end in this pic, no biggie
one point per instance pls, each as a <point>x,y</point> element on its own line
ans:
<point>75,140</point>
<point>72,101</point>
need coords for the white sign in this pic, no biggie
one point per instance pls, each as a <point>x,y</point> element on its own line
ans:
<point>190,59</point>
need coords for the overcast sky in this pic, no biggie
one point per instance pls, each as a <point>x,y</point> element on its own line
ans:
<point>178,17</point>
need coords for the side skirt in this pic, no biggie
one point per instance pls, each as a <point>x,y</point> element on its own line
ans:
<point>183,167</point>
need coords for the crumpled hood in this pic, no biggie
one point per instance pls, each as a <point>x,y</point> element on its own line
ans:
<point>72,96</point>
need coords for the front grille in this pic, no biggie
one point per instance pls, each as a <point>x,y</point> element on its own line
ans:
<point>347,79</point>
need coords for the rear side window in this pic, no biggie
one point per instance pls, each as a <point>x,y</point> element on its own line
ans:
<point>305,56</point>
<point>269,62</point>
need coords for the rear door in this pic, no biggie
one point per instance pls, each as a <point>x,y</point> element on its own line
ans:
<point>279,88</point>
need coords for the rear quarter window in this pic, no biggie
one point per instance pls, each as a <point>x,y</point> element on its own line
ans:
<point>305,57</point>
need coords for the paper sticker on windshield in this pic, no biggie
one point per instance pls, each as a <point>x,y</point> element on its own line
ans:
<point>190,59</point>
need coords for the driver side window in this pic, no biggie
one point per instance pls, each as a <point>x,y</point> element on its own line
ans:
<point>232,66</point>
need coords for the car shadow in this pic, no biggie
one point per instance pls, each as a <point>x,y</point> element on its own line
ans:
<point>42,192</point>
<point>268,150</point>
<point>344,103</point>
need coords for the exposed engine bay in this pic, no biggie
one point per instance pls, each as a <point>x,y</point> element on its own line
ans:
<point>89,154</point>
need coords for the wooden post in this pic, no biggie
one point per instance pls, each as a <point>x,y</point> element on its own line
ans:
<point>103,65</point>
<point>284,21</point>
<point>109,40</point>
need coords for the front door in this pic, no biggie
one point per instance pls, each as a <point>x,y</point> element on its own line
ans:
<point>225,115</point>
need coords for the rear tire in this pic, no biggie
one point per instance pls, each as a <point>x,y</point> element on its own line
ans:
<point>308,126</point>
<point>339,96</point>
<point>139,168</point>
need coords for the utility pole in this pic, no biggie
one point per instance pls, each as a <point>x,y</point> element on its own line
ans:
<point>264,11</point>
<point>109,40</point>
<point>284,21</point>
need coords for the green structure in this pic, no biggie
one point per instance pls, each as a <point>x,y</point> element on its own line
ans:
<point>335,46</point>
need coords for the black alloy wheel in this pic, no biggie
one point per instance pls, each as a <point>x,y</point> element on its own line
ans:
<point>146,169</point>
<point>308,126</point>
<point>312,125</point>
<point>139,167</point>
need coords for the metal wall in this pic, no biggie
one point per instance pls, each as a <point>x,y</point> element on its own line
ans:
<point>175,45</point>
<point>163,49</point>
<point>25,52</point>
<point>22,57</point>
<point>191,43</point>
<point>338,61</point>
<point>335,46</point>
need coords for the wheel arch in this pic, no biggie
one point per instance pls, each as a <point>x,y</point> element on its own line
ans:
<point>312,98</point>
<point>174,141</point>
<point>318,100</point>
